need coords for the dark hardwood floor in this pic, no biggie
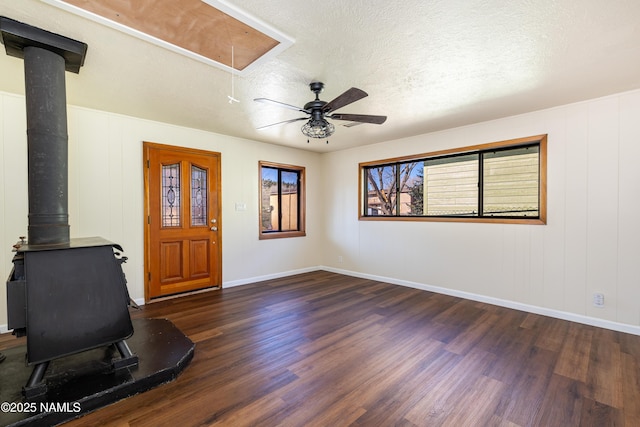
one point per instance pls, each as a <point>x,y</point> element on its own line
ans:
<point>322,349</point>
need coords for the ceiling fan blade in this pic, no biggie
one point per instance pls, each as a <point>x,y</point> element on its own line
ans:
<point>282,123</point>
<point>280,104</point>
<point>362,118</point>
<point>352,95</point>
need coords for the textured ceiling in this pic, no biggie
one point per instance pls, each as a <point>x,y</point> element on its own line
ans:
<point>427,65</point>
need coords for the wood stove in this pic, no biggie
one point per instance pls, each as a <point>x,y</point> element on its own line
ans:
<point>66,295</point>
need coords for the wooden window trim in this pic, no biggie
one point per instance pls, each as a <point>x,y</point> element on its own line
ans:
<point>512,143</point>
<point>302,212</point>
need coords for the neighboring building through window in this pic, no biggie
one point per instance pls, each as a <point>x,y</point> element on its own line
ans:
<point>282,201</point>
<point>498,182</point>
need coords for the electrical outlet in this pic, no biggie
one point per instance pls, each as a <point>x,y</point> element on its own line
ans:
<point>340,258</point>
<point>598,300</point>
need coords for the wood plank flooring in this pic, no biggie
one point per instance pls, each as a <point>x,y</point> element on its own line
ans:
<point>323,349</point>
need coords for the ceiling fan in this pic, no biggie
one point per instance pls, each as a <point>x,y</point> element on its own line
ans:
<point>319,111</point>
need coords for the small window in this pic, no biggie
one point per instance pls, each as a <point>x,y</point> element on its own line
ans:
<point>199,196</point>
<point>497,182</point>
<point>282,203</point>
<point>171,195</point>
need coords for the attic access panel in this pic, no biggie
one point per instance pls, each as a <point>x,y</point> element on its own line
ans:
<point>204,30</point>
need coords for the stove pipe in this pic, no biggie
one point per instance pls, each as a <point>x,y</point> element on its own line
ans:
<point>46,58</point>
<point>48,146</point>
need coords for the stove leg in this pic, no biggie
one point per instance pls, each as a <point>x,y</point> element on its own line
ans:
<point>36,386</point>
<point>127,359</point>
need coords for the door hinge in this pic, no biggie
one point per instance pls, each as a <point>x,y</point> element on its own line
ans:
<point>147,163</point>
<point>148,219</point>
<point>149,276</point>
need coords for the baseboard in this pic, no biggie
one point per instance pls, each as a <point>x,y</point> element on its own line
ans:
<point>255,279</point>
<point>572,317</point>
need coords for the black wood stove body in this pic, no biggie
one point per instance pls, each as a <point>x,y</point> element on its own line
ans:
<point>68,299</point>
<point>66,295</point>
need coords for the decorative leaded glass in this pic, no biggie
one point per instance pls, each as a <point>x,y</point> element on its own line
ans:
<point>171,195</point>
<point>198,196</point>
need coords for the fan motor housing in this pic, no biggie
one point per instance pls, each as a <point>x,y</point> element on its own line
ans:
<point>315,109</point>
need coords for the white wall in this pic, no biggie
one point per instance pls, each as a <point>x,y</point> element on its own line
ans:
<point>591,242</point>
<point>106,192</point>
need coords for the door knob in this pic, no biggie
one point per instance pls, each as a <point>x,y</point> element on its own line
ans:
<point>214,228</point>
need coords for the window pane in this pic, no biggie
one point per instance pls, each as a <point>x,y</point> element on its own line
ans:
<point>381,190</point>
<point>171,195</point>
<point>511,182</point>
<point>289,201</point>
<point>451,186</point>
<point>282,210</point>
<point>269,199</point>
<point>412,188</point>
<point>198,196</point>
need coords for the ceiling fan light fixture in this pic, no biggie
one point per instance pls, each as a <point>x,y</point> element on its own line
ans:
<point>318,129</point>
<point>317,126</point>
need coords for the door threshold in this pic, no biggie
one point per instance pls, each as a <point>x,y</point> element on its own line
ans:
<point>184,294</point>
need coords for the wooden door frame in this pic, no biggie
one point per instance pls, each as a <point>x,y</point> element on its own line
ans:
<point>146,145</point>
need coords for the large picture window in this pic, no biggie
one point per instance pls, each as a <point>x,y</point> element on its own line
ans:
<point>498,182</point>
<point>282,202</point>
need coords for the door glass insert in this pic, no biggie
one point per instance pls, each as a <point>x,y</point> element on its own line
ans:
<point>198,196</point>
<point>171,195</point>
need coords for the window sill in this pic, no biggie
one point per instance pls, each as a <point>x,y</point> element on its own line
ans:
<point>281,235</point>
<point>490,220</point>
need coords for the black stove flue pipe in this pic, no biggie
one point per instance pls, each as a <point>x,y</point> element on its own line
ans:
<point>46,58</point>
<point>48,146</point>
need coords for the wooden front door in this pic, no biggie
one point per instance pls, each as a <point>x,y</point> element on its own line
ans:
<point>182,234</point>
